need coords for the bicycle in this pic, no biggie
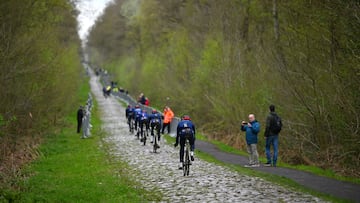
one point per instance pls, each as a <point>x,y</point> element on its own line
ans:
<point>131,123</point>
<point>155,144</point>
<point>141,133</point>
<point>187,160</point>
<point>132,127</point>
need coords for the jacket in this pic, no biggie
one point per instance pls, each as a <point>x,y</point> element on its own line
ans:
<point>168,115</point>
<point>269,119</point>
<point>251,132</point>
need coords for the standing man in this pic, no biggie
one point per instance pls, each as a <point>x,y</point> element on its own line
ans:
<point>252,129</point>
<point>168,116</point>
<point>273,128</point>
<point>80,115</point>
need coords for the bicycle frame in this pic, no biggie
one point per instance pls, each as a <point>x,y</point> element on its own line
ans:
<point>187,161</point>
<point>156,135</point>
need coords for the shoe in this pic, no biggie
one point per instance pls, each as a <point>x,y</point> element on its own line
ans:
<point>151,142</point>
<point>192,158</point>
<point>252,165</point>
<point>267,164</point>
<point>180,166</point>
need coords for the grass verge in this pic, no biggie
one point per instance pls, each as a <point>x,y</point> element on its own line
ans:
<point>71,169</point>
<point>311,169</point>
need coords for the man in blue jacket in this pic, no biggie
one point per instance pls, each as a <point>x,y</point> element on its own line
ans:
<point>252,129</point>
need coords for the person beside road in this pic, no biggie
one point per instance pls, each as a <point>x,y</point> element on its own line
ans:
<point>80,115</point>
<point>272,130</point>
<point>168,116</point>
<point>251,129</point>
<point>142,99</point>
<point>185,130</point>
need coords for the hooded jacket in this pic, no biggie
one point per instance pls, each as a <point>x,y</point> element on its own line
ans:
<point>168,115</point>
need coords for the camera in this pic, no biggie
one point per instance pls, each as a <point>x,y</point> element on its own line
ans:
<point>244,123</point>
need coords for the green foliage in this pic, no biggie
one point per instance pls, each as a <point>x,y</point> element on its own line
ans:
<point>220,61</point>
<point>40,74</point>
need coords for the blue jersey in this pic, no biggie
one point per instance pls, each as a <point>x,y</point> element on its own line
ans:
<point>155,118</point>
<point>129,112</point>
<point>144,116</point>
<point>138,113</point>
<point>185,127</point>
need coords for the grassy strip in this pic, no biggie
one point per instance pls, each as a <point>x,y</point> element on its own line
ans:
<point>312,169</point>
<point>71,169</point>
<point>279,180</point>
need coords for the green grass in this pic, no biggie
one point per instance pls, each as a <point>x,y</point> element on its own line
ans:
<point>71,169</point>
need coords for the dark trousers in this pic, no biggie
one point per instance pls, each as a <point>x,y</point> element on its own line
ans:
<point>157,127</point>
<point>182,145</point>
<point>164,126</point>
<point>142,123</point>
<point>79,122</point>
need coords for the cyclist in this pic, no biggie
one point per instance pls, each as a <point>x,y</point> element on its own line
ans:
<point>129,113</point>
<point>144,120</point>
<point>137,115</point>
<point>185,130</point>
<point>155,123</point>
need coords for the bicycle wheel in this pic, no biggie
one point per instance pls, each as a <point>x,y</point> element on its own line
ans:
<point>144,138</point>
<point>131,126</point>
<point>155,143</point>
<point>186,165</point>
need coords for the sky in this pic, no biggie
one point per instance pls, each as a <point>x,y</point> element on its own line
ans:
<point>90,10</point>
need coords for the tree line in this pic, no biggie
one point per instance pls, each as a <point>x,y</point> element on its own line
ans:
<point>39,48</point>
<point>218,61</point>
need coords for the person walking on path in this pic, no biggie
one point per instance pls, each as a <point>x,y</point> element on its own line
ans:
<point>80,115</point>
<point>251,129</point>
<point>168,116</point>
<point>273,128</point>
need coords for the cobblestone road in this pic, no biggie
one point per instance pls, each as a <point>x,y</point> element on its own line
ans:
<point>207,182</point>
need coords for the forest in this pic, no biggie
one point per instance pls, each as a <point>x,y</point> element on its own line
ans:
<point>219,61</point>
<point>39,48</point>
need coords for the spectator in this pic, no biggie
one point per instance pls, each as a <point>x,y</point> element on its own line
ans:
<point>252,129</point>
<point>80,115</point>
<point>147,101</point>
<point>168,116</point>
<point>273,127</point>
<point>141,99</point>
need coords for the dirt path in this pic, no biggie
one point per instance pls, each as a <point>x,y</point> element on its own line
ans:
<point>207,182</point>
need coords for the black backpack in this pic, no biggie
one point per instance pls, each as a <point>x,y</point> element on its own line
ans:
<point>276,124</point>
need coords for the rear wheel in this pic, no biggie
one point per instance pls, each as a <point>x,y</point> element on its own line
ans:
<point>155,143</point>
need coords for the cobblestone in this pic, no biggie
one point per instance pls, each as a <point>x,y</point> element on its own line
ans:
<point>207,182</point>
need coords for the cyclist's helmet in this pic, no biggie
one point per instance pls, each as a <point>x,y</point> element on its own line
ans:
<point>154,111</point>
<point>186,117</point>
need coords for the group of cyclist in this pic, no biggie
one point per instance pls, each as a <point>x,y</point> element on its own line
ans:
<point>157,121</point>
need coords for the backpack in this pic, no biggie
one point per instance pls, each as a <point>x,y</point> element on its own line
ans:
<point>276,124</point>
